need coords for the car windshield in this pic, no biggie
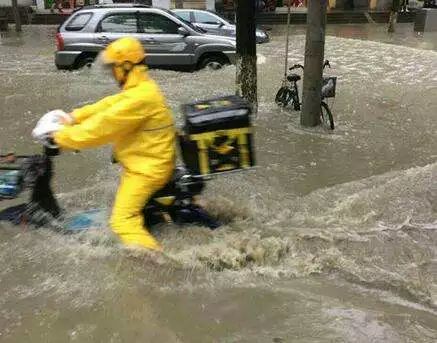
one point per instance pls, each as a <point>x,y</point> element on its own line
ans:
<point>186,22</point>
<point>227,20</point>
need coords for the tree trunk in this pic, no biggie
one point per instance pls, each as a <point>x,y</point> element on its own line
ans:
<point>393,16</point>
<point>246,78</point>
<point>314,57</point>
<point>16,16</point>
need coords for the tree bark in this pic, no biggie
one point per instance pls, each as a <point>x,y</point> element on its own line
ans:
<point>16,16</point>
<point>246,78</point>
<point>393,16</point>
<point>314,57</point>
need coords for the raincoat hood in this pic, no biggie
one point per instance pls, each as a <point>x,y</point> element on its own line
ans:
<point>137,75</point>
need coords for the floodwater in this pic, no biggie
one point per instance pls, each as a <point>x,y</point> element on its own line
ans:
<point>332,238</point>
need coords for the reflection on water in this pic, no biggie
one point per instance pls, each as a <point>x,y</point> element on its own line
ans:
<point>333,236</point>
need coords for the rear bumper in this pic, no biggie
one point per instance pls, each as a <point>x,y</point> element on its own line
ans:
<point>231,55</point>
<point>66,59</point>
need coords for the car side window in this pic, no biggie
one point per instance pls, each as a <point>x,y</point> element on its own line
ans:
<point>184,15</point>
<point>152,23</point>
<point>78,22</point>
<point>119,23</point>
<point>205,18</point>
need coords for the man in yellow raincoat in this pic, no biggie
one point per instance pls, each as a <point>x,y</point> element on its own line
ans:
<point>139,124</point>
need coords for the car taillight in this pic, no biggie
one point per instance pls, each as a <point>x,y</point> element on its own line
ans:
<point>59,41</point>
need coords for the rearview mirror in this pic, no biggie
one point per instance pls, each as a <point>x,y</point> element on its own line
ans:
<point>183,31</point>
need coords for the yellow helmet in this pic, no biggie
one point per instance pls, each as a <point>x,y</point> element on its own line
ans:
<point>124,50</point>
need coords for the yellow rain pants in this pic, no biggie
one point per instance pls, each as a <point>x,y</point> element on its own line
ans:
<point>127,219</point>
<point>140,126</point>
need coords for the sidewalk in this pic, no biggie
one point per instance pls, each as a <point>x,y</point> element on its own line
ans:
<point>334,16</point>
<point>301,9</point>
<point>279,17</point>
<point>65,11</point>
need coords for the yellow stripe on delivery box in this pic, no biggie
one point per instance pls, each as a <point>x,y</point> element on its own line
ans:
<point>206,140</point>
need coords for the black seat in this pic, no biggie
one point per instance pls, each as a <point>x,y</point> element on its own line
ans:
<point>293,77</point>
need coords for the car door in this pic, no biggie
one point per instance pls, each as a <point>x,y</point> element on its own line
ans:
<point>164,45</point>
<point>116,25</point>
<point>208,22</point>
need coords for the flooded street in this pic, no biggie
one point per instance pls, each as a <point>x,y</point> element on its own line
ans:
<point>332,238</point>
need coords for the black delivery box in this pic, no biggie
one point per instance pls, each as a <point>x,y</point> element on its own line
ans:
<point>218,135</point>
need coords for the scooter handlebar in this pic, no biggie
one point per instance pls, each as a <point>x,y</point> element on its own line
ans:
<point>50,147</point>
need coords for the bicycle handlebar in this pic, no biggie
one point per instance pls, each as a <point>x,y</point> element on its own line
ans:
<point>296,66</point>
<point>325,64</point>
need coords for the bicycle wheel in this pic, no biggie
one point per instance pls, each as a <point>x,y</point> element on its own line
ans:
<point>326,116</point>
<point>283,96</point>
<point>296,102</point>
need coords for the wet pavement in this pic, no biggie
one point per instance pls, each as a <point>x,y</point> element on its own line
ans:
<point>332,238</point>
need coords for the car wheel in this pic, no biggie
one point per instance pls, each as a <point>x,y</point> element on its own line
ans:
<point>213,62</point>
<point>86,61</point>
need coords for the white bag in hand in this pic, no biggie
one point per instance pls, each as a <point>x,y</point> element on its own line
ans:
<point>49,123</point>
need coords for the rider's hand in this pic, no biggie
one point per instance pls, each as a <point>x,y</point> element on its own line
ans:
<point>66,119</point>
<point>62,117</point>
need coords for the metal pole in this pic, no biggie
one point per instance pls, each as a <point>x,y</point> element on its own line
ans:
<point>16,16</point>
<point>286,41</point>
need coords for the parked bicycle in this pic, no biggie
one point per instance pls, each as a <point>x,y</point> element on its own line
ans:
<point>289,93</point>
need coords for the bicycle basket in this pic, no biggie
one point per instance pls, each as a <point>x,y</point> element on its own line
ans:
<point>329,86</point>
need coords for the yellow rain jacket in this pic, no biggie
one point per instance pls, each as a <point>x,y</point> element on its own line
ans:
<point>140,126</point>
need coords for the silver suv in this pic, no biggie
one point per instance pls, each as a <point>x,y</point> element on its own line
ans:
<point>169,40</point>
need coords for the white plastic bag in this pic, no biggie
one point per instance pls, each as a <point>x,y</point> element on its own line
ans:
<point>49,123</point>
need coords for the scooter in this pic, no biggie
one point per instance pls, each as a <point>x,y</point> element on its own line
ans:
<point>174,203</point>
<point>217,138</point>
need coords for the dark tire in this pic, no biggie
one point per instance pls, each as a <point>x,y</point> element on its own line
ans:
<point>84,61</point>
<point>326,116</point>
<point>296,102</point>
<point>213,62</point>
<point>284,96</point>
